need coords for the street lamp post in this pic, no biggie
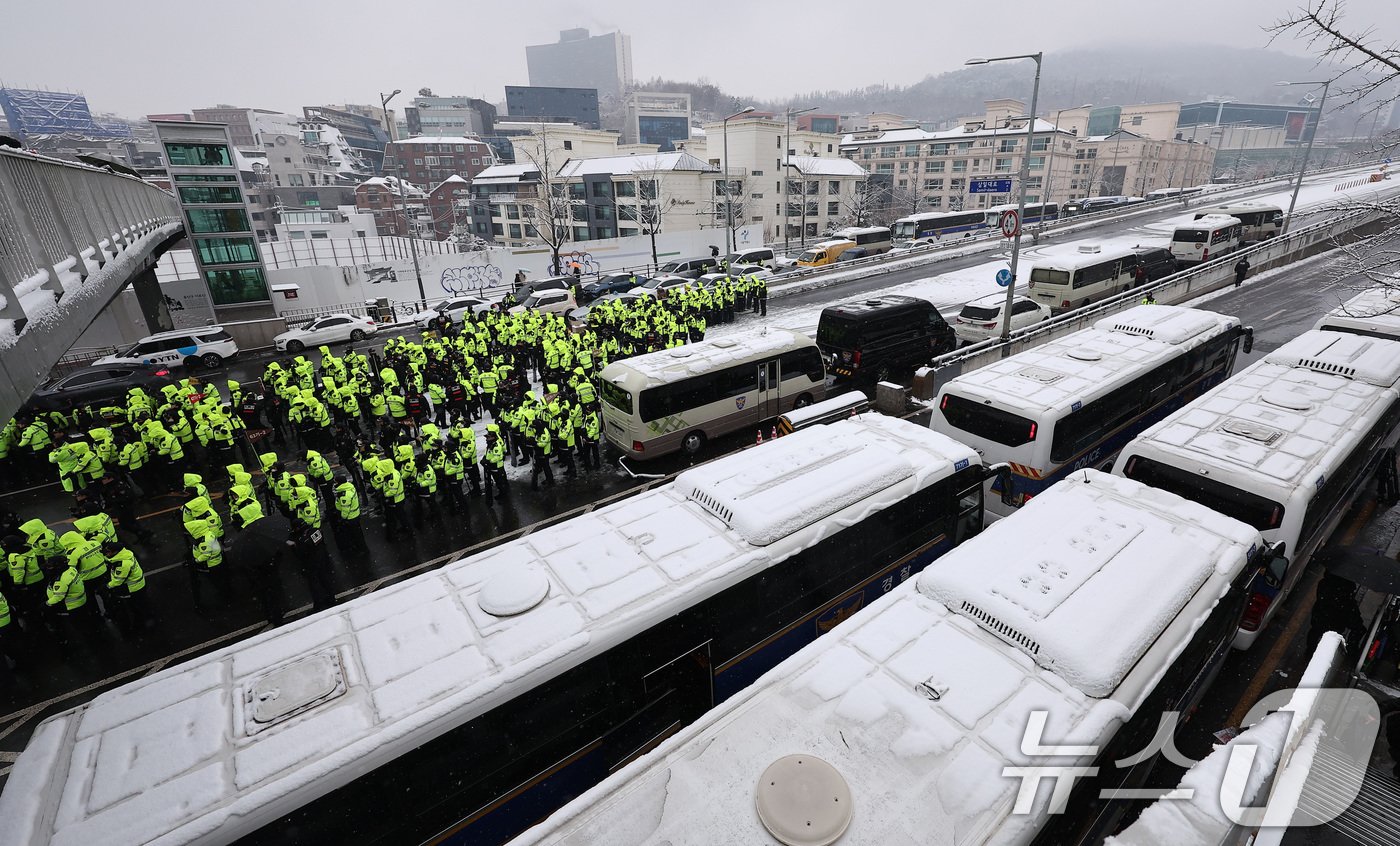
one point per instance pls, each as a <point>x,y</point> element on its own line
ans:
<point>1050,166</point>
<point>403,204</point>
<point>787,163</point>
<point>1307,151</point>
<point>728,188</point>
<point>1025,174</point>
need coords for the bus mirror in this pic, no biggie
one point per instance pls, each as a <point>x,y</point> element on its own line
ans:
<point>1001,472</point>
<point>1278,561</point>
<point>1248,340</point>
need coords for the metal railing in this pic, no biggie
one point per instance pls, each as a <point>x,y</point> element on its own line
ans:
<point>59,223</point>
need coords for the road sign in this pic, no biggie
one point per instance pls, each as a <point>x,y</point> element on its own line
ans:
<point>1010,223</point>
<point>989,186</point>
<point>1003,277</point>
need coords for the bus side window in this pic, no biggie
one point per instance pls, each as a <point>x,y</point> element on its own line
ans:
<point>762,377</point>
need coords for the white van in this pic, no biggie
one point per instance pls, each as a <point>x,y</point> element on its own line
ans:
<point>1206,238</point>
<point>757,255</point>
<point>1078,279</point>
<point>207,346</point>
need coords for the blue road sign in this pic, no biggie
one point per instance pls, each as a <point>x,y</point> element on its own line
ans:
<point>1003,277</point>
<point>989,186</point>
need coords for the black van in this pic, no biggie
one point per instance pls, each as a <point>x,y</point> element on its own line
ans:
<point>873,340</point>
<point>1157,261</point>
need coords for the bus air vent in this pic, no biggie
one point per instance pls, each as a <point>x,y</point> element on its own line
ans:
<point>1336,369</point>
<point>1000,629</point>
<point>293,689</point>
<point>1084,354</point>
<point>1040,374</point>
<point>1090,248</point>
<point>512,592</point>
<point>1130,329</point>
<point>803,801</point>
<point>711,505</point>
<point>1250,429</point>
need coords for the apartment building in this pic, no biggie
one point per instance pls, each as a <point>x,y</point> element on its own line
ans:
<point>1125,163</point>
<point>503,199</point>
<point>386,199</point>
<point>427,160</point>
<point>656,117</point>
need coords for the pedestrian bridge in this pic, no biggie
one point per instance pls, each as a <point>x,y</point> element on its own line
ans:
<point>71,238</point>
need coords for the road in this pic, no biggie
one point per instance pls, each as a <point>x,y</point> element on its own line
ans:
<point>1279,307</point>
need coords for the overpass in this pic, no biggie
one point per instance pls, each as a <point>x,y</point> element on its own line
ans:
<point>71,238</point>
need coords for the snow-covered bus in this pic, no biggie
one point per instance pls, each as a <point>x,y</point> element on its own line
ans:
<point>1074,625</point>
<point>680,398</point>
<point>1286,445</point>
<point>1075,401</point>
<point>1374,312</point>
<point>463,704</point>
<point>1260,221</point>
<point>1035,213</point>
<point>1073,280</point>
<point>939,225</point>
<point>1206,238</point>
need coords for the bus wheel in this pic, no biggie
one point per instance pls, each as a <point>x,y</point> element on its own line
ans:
<point>803,401</point>
<point>694,442</point>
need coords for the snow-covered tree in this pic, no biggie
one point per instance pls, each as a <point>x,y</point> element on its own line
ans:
<point>549,212</point>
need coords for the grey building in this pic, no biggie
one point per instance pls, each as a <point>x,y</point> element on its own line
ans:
<point>449,116</point>
<point>601,62</point>
<point>656,117</point>
<point>574,105</point>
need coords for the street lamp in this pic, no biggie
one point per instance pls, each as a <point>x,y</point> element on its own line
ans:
<point>1297,186</point>
<point>1050,166</point>
<point>728,189</point>
<point>787,163</point>
<point>403,203</point>
<point>1025,175</point>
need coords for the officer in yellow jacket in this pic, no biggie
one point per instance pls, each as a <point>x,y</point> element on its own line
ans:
<point>128,585</point>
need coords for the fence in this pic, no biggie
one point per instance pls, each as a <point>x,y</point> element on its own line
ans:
<point>55,213</point>
<point>340,251</point>
<point>1174,289</point>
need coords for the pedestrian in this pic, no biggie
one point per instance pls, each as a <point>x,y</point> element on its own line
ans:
<point>1241,270</point>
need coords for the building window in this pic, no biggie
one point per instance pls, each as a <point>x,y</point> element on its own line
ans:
<point>911,150</point>
<point>580,233</point>
<point>226,250</point>
<point>198,155</point>
<point>219,220</point>
<point>498,229</point>
<point>1033,182</point>
<point>833,209</point>
<point>1037,162</point>
<point>569,145</point>
<point>903,167</point>
<point>936,167</point>
<point>320,234</point>
<point>938,149</point>
<point>295,180</point>
<point>257,216</point>
<point>1006,146</point>
<point>889,152</point>
<point>515,230</point>
<point>1137,120</point>
<point>241,285</point>
<point>602,189</point>
<point>933,185</point>
<point>828,148</point>
<point>206,177</point>
<point>1002,165</point>
<point>935,202</point>
<point>1040,145</point>
<point>461,148</point>
<point>577,191</point>
<point>755,173</point>
<point>606,232</point>
<point>625,189</point>
<point>885,167</point>
<point>211,195</point>
<point>513,211</point>
<point>960,166</point>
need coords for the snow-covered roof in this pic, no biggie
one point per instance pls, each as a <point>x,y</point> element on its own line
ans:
<point>920,705</point>
<point>439,139</point>
<point>658,368</point>
<point>818,166</point>
<point>679,161</point>
<point>1088,363</point>
<point>1280,422</point>
<point>914,134</point>
<point>392,183</point>
<point>502,174</point>
<point>1115,133</point>
<point>399,666</point>
<point>1378,309</point>
<point>451,180</point>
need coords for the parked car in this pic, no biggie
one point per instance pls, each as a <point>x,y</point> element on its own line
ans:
<point>96,384</point>
<point>869,341</point>
<point>331,329</point>
<point>854,253</point>
<point>690,268</point>
<point>784,263</point>
<point>762,256</point>
<point>980,319</point>
<point>578,317</point>
<point>1157,261</point>
<point>207,346</point>
<point>756,270</point>
<point>656,285</point>
<point>912,244</point>
<point>612,283</point>
<point>823,253</point>
<point>455,308</point>
<point>549,301</point>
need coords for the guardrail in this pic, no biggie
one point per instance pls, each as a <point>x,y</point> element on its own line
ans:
<point>1171,290</point>
<point>61,219</point>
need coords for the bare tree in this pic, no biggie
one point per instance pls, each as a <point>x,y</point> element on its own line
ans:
<point>653,201</point>
<point>549,213</point>
<point>860,203</point>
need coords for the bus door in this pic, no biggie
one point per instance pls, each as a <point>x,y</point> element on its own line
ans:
<point>769,395</point>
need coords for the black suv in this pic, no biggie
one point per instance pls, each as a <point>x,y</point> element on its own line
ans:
<point>1157,261</point>
<point>874,340</point>
<point>96,384</point>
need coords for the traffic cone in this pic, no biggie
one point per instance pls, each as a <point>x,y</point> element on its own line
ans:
<point>760,438</point>
<point>774,435</point>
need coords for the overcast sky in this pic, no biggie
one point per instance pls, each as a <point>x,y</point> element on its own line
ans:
<point>283,54</point>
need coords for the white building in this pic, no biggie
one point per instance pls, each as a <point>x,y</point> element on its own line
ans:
<point>343,222</point>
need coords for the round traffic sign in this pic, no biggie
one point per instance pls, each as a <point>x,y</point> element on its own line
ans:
<point>1010,224</point>
<point>1003,277</point>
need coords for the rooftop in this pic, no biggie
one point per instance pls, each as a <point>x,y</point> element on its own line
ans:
<point>914,134</point>
<point>678,161</point>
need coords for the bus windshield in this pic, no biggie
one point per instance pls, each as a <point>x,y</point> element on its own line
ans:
<point>905,229</point>
<point>1049,276</point>
<point>1003,427</point>
<point>1260,512</point>
<point>1191,236</point>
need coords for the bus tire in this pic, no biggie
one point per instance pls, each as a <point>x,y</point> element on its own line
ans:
<point>803,401</point>
<point>693,442</point>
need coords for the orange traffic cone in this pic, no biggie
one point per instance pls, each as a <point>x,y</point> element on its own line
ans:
<point>774,436</point>
<point>760,437</point>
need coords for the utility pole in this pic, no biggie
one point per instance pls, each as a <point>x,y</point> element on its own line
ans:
<point>403,203</point>
<point>1288,221</point>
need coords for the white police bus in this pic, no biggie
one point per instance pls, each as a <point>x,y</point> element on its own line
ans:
<point>1096,609</point>
<point>1073,280</point>
<point>465,703</point>
<point>939,224</point>
<point>1374,312</point>
<point>680,398</point>
<point>1286,445</point>
<point>1260,221</point>
<point>1075,401</point>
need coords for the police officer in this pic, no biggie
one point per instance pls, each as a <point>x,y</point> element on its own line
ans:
<point>132,611</point>
<point>493,462</point>
<point>206,563</point>
<point>349,534</point>
<point>544,450</point>
<point>309,546</point>
<point>260,539</point>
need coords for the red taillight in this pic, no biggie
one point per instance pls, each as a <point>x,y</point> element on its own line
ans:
<point>371,322</point>
<point>637,446</point>
<point>943,403</point>
<point>1032,433</point>
<point>855,359</point>
<point>1254,612</point>
<point>1064,304</point>
<point>1205,254</point>
<point>991,325</point>
<point>162,372</point>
